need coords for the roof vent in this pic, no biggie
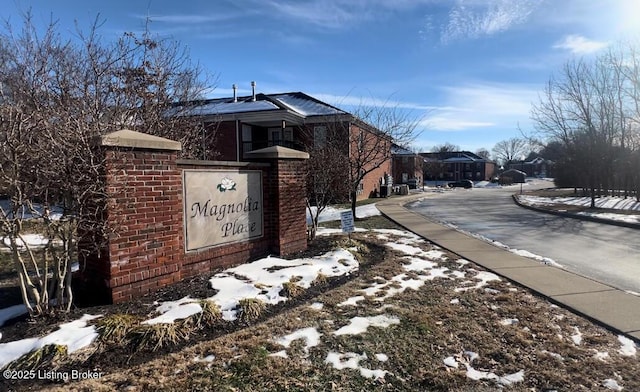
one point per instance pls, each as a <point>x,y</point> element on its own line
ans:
<point>235,92</point>
<point>253,90</point>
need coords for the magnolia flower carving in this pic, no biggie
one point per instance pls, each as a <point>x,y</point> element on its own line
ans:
<point>227,184</point>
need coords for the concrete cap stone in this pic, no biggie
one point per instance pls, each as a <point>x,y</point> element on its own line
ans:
<point>277,152</point>
<point>133,139</point>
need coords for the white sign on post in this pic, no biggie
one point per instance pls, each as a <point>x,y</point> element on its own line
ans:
<point>346,220</point>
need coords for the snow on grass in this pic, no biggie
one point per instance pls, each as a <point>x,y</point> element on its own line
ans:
<point>317,306</point>
<point>611,384</point>
<point>484,278</point>
<point>328,231</point>
<point>262,279</point>
<point>352,361</point>
<point>612,216</point>
<point>11,312</point>
<point>467,358</point>
<point>577,336</point>
<point>310,335</point>
<point>352,301</point>
<point>32,240</point>
<point>333,214</point>
<point>509,321</point>
<point>628,347</point>
<point>358,325</point>
<point>451,362</point>
<point>608,202</point>
<point>382,357</point>
<point>601,355</point>
<point>75,335</point>
<point>175,310</point>
<point>405,237</point>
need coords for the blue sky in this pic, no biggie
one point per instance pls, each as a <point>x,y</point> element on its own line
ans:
<point>470,68</point>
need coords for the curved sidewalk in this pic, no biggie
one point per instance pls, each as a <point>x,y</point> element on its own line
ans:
<point>606,305</point>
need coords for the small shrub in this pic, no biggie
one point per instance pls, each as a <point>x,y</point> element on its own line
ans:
<point>291,288</point>
<point>37,358</point>
<point>251,309</point>
<point>156,336</point>
<point>210,315</point>
<point>321,279</point>
<point>115,328</point>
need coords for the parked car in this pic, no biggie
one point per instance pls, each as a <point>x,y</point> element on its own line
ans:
<point>461,184</point>
<point>413,183</point>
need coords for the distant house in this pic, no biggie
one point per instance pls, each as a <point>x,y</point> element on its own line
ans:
<point>457,165</point>
<point>512,176</point>
<point>406,165</point>
<point>536,167</point>
<point>294,120</point>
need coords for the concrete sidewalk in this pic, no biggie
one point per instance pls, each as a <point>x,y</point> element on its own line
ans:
<point>604,304</point>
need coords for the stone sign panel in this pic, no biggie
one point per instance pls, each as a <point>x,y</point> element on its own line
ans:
<point>221,207</point>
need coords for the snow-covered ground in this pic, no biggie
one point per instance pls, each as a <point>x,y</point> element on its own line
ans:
<point>609,202</point>
<point>264,279</point>
<point>333,214</point>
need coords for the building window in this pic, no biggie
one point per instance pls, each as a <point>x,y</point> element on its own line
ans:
<point>247,141</point>
<point>319,135</point>
<point>281,137</point>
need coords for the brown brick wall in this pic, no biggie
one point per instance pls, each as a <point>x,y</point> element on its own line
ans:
<point>146,250</point>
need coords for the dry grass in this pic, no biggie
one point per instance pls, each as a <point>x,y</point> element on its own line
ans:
<point>430,329</point>
<point>210,315</point>
<point>251,309</point>
<point>116,328</point>
<point>291,289</point>
<point>155,336</point>
<point>39,358</point>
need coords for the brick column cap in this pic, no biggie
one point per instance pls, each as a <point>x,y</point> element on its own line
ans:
<point>277,152</point>
<point>129,138</point>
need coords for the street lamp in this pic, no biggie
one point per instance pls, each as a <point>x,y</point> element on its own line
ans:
<point>522,170</point>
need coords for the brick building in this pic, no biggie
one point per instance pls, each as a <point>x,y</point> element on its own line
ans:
<point>457,165</point>
<point>407,165</point>
<point>294,120</point>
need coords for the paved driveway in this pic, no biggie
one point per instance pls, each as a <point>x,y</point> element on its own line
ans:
<point>606,253</point>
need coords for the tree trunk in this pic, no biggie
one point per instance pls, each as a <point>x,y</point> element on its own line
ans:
<point>354,195</point>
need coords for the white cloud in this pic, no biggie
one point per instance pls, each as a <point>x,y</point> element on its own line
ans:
<point>483,105</point>
<point>473,19</point>
<point>578,44</point>
<point>339,14</point>
<point>321,13</point>
<point>189,19</point>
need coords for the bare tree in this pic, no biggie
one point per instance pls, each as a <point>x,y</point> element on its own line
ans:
<point>509,150</point>
<point>483,153</point>
<point>56,96</point>
<point>586,109</point>
<point>371,135</point>
<point>446,147</point>
<point>326,168</point>
<point>351,147</point>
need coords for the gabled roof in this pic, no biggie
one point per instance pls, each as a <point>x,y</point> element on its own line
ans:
<point>296,103</point>
<point>399,150</point>
<point>454,156</point>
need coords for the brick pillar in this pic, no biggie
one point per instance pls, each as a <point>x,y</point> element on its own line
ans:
<point>144,215</point>
<point>286,190</point>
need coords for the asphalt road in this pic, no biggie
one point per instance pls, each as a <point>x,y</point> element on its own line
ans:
<point>606,253</point>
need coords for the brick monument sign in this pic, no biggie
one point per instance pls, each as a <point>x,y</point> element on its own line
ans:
<point>171,219</point>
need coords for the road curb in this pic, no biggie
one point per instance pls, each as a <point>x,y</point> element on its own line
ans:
<point>516,199</point>
<point>603,307</point>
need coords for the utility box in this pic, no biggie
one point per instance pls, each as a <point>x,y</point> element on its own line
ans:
<point>386,190</point>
